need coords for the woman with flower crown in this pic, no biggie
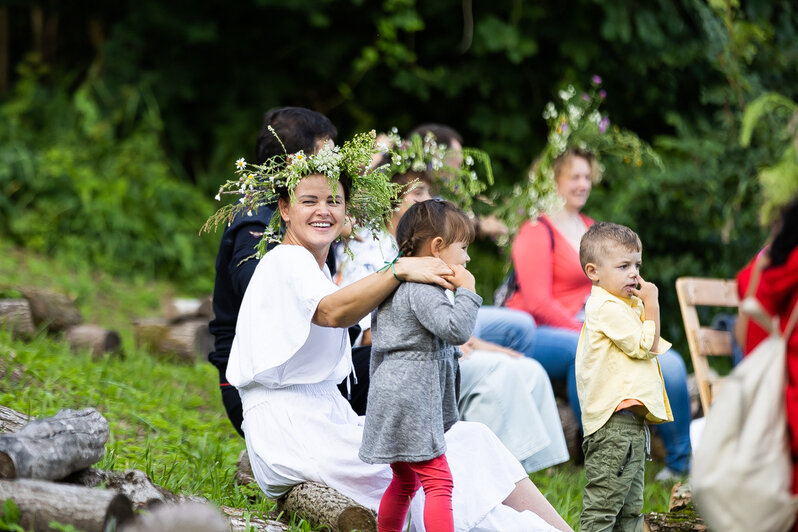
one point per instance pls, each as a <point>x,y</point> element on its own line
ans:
<point>291,349</point>
<point>550,284</point>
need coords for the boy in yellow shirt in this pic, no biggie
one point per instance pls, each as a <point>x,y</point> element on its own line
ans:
<point>618,377</point>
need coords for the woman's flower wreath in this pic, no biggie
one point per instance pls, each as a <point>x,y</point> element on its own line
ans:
<point>459,184</point>
<point>576,123</point>
<point>372,195</point>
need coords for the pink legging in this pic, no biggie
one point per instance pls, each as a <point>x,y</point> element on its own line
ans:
<point>436,478</point>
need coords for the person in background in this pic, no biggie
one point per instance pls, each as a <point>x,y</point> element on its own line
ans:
<point>777,292</point>
<point>618,377</point>
<point>552,288</point>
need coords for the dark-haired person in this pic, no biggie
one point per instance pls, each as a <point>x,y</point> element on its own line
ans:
<point>298,129</point>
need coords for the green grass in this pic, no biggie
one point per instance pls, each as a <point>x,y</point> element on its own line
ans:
<point>166,419</point>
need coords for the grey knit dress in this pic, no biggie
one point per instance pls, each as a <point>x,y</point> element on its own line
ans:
<point>412,397</point>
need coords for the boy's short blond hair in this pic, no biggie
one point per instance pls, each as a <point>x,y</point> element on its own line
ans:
<point>600,236</point>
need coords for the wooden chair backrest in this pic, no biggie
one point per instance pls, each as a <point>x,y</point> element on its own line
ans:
<point>702,341</point>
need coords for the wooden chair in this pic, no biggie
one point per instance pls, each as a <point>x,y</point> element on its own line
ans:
<point>704,342</point>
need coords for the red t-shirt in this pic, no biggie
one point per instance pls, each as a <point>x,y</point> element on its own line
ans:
<point>551,284</point>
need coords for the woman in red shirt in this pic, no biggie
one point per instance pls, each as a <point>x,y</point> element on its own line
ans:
<point>553,288</point>
<point>777,291</point>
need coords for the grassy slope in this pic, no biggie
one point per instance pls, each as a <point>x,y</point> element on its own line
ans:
<point>165,419</point>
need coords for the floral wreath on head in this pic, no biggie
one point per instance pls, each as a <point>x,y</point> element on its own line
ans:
<point>371,194</point>
<point>576,123</point>
<point>459,184</point>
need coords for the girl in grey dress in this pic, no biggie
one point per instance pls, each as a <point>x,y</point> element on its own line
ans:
<point>412,397</point>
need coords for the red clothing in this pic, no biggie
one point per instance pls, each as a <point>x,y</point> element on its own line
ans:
<point>436,478</point>
<point>551,284</point>
<point>778,293</point>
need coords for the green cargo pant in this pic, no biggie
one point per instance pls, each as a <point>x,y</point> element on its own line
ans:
<point>615,458</point>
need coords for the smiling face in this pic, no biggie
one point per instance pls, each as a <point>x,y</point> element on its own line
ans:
<point>314,218</point>
<point>617,270</point>
<point>574,183</point>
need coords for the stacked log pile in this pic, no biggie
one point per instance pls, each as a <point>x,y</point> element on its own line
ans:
<point>180,333</point>
<point>57,314</point>
<point>45,470</point>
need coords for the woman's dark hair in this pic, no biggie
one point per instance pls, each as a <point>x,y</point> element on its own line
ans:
<point>430,219</point>
<point>443,134</point>
<point>786,238</point>
<point>346,184</point>
<point>298,129</point>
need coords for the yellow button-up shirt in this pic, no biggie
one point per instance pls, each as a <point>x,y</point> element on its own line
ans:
<point>614,361</point>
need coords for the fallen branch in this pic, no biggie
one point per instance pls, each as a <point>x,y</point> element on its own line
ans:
<point>55,311</point>
<point>96,339</point>
<point>16,316</point>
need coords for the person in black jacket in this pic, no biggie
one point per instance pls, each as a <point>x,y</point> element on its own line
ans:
<point>297,129</point>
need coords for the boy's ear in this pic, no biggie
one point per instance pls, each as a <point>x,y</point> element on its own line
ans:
<point>592,272</point>
<point>436,245</point>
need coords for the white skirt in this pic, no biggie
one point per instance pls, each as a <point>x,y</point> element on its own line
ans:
<point>310,433</point>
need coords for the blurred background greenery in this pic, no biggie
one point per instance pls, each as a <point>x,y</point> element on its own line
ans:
<point>118,120</point>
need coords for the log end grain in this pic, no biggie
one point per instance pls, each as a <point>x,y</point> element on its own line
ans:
<point>7,469</point>
<point>357,518</point>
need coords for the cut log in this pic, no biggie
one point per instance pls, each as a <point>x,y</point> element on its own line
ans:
<point>189,341</point>
<point>134,484</point>
<point>52,448</point>
<point>180,309</point>
<point>40,502</point>
<point>244,473</point>
<point>11,420</point>
<point>238,522</point>
<point>325,506</point>
<point>681,498</point>
<point>55,311</point>
<point>96,339</point>
<point>189,517</point>
<point>16,316</point>
<point>673,522</point>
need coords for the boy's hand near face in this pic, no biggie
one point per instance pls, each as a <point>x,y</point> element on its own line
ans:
<point>649,294</point>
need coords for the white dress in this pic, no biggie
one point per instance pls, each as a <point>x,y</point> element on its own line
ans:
<point>512,396</point>
<point>298,426</point>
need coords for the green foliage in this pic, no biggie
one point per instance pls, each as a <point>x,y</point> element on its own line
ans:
<point>9,520</point>
<point>84,176</point>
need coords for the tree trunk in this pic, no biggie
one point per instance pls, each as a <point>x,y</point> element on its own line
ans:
<point>11,420</point>
<point>40,502</point>
<point>52,448</point>
<point>323,505</point>
<point>16,316</point>
<point>55,311</point>
<point>96,339</point>
<point>134,484</point>
<point>189,341</point>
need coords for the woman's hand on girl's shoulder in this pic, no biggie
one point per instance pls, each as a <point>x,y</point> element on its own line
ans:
<point>428,270</point>
<point>461,277</point>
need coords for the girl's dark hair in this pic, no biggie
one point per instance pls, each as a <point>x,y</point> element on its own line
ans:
<point>430,219</point>
<point>786,238</point>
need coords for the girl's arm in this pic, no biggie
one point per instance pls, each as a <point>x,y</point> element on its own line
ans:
<point>347,306</point>
<point>452,323</point>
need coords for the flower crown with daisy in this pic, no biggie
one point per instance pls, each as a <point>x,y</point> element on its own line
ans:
<point>576,123</point>
<point>459,184</point>
<point>371,194</point>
